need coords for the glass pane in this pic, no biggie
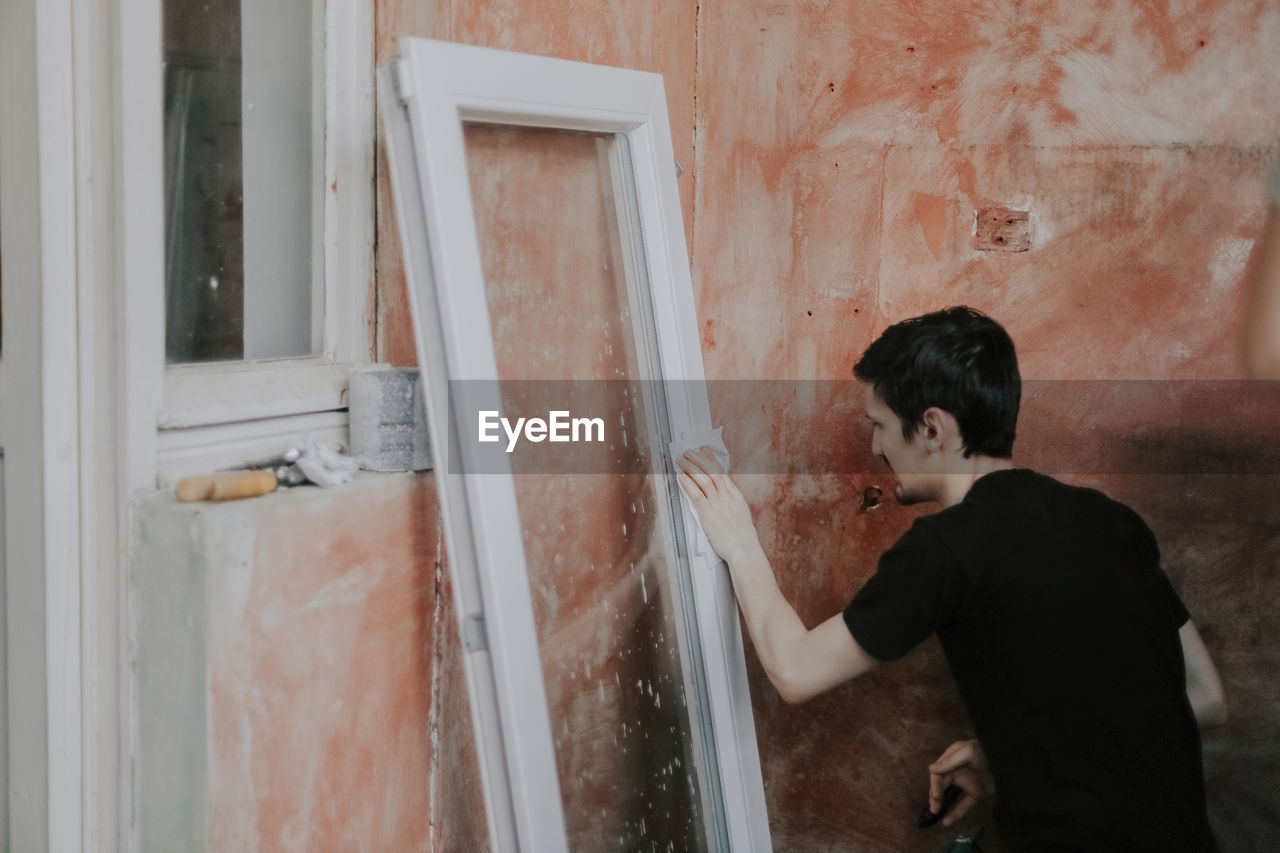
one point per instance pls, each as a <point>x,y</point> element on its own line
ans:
<point>601,566</point>
<point>239,222</point>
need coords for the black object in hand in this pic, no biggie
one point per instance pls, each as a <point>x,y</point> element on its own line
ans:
<point>949,798</point>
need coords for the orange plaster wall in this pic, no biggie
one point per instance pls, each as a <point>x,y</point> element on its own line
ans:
<point>322,708</point>
<point>861,138</point>
<point>649,35</point>
<point>837,153</point>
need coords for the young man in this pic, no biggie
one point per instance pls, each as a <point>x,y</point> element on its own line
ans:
<point>1082,674</point>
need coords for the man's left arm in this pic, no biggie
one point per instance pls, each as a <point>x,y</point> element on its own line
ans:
<point>1204,687</point>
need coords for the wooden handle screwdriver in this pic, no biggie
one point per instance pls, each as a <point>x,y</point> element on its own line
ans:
<point>226,486</point>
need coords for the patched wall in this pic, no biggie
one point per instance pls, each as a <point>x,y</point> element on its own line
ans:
<point>838,155</point>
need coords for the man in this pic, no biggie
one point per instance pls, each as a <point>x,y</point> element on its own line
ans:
<point>1081,672</point>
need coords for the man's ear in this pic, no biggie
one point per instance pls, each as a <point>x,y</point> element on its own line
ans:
<point>938,426</point>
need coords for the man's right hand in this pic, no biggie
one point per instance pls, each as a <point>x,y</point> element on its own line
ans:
<point>962,765</point>
<point>722,511</point>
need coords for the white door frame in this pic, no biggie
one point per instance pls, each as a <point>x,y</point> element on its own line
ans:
<point>440,85</point>
<point>39,425</point>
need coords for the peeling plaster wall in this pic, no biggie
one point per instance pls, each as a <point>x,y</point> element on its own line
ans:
<point>836,155</point>
<point>841,152</point>
<point>861,138</point>
<point>285,692</point>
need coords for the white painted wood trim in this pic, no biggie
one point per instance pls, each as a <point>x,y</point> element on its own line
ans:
<point>232,392</point>
<point>183,452</point>
<point>203,394</point>
<point>349,181</point>
<point>38,425</point>
<point>442,84</point>
<point>99,408</point>
<point>455,508</point>
<point>137,143</point>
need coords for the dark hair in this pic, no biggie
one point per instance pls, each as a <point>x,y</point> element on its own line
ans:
<point>957,359</point>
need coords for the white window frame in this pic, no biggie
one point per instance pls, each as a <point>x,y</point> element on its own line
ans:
<point>40,545</point>
<point>221,414</point>
<point>425,97</point>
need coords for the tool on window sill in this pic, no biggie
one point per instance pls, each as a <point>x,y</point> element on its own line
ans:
<point>226,485</point>
<point>303,462</point>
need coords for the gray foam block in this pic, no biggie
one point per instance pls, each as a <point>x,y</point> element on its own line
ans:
<point>388,419</point>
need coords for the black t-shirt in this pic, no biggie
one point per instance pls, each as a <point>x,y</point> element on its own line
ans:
<point>1062,632</point>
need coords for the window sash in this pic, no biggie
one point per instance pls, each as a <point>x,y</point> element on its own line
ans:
<point>425,97</point>
<point>204,395</point>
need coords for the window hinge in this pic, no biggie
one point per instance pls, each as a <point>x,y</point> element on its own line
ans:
<point>474,635</point>
<point>401,78</point>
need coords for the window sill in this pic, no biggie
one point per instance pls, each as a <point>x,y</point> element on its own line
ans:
<point>362,481</point>
<point>201,450</point>
<point>201,395</point>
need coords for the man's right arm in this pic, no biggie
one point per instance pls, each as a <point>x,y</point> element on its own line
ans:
<point>801,663</point>
<point>1204,688</point>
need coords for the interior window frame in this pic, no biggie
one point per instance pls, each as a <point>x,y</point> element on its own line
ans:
<point>426,96</point>
<point>218,414</point>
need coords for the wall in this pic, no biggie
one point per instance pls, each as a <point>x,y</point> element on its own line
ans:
<point>837,154</point>
<point>284,685</point>
<point>866,135</point>
<point>841,152</point>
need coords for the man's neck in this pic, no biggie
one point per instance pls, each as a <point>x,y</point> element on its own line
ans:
<point>956,484</point>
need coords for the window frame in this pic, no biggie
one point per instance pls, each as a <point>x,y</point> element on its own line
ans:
<point>195,406</point>
<point>41,542</point>
<point>426,95</point>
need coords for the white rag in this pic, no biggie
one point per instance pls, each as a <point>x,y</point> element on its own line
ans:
<point>325,465</point>
<point>692,439</point>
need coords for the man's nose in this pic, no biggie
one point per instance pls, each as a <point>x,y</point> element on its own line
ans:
<point>875,445</point>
